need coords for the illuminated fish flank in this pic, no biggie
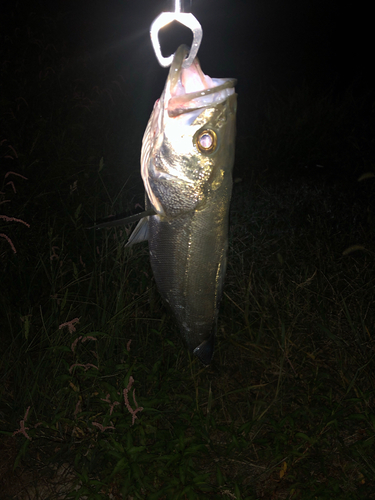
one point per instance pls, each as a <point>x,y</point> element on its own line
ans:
<point>186,165</point>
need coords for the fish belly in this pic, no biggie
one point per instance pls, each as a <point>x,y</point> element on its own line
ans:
<point>188,259</point>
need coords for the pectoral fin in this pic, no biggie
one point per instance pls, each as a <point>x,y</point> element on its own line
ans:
<point>139,234</point>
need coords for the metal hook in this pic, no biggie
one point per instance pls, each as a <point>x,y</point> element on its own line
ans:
<point>188,20</point>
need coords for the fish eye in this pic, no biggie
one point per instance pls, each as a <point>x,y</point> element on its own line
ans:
<point>206,141</point>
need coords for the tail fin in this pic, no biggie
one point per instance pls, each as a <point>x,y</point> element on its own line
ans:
<point>205,350</point>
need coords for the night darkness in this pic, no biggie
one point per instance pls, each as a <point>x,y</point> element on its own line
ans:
<point>97,387</point>
<point>264,44</point>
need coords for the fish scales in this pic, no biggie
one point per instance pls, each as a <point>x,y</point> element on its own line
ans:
<point>188,259</point>
<point>186,165</point>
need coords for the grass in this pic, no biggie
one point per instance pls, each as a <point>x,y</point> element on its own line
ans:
<point>287,409</point>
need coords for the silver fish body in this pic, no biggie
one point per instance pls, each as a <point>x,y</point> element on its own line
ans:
<point>186,165</point>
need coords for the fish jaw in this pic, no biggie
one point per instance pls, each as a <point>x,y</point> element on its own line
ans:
<point>186,165</point>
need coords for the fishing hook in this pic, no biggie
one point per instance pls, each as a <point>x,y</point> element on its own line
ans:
<point>188,20</point>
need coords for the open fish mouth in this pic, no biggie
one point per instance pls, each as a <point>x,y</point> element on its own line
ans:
<point>190,89</point>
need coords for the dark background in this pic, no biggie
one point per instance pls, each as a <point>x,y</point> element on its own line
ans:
<point>265,44</point>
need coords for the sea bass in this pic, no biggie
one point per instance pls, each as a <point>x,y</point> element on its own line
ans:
<point>186,166</point>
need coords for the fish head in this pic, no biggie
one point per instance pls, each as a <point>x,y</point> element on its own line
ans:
<point>188,145</point>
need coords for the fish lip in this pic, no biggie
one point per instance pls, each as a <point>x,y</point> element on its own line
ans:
<point>176,67</point>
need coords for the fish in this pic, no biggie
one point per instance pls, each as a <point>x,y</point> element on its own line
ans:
<point>187,158</point>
